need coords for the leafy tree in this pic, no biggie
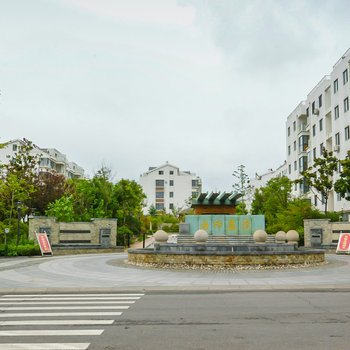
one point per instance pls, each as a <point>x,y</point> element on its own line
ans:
<point>62,209</point>
<point>49,187</point>
<point>342,185</point>
<point>128,200</point>
<point>320,175</point>
<point>18,179</point>
<point>242,185</point>
<point>272,199</point>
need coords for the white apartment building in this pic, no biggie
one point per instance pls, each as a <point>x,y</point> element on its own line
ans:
<point>50,159</point>
<point>168,188</point>
<point>320,122</point>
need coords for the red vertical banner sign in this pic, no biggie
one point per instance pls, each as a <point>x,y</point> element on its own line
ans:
<point>44,243</point>
<point>344,243</point>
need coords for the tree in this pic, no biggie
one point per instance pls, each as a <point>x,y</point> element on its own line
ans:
<point>242,186</point>
<point>272,199</point>
<point>49,187</point>
<point>320,176</point>
<point>62,209</point>
<point>18,179</point>
<point>342,185</point>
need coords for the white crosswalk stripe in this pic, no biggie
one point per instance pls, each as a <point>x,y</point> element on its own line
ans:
<point>61,310</point>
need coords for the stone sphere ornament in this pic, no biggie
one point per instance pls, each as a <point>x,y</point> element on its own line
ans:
<point>292,237</point>
<point>160,236</point>
<point>201,236</point>
<point>280,237</point>
<point>260,236</point>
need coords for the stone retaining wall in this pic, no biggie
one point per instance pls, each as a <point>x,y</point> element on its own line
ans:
<point>225,258</point>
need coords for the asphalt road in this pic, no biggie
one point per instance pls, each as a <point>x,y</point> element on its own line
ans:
<point>304,308</point>
<point>181,320</point>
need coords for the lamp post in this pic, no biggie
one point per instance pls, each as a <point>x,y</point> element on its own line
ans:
<point>18,203</point>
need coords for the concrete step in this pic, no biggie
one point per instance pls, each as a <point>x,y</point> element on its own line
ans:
<point>189,239</point>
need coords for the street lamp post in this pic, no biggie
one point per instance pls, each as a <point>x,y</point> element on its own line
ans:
<point>18,220</point>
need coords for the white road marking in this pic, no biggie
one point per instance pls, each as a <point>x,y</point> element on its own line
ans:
<point>54,332</point>
<point>76,298</point>
<point>45,346</point>
<point>120,307</point>
<point>58,314</point>
<point>56,322</point>
<point>66,302</point>
<point>72,295</point>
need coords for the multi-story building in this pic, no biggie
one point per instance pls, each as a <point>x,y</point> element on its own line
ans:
<point>321,122</point>
<point>49,159</point>
<point>167,188</point>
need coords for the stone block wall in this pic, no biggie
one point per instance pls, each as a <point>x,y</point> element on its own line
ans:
<point>329,232</point>
<point>75,232</point>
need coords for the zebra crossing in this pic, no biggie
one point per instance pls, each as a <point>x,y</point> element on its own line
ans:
<point>58,315</point>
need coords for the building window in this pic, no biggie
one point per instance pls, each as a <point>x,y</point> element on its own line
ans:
<point>314,130</point>
<point>336,112</point>
<point>346,104</point>
<point>195,183</point>
<point>321,149</point>
<point>320,101</point>
<point>161,172</point>
<point>315,201</point>
<point>14,148</point>
<point>289,150</point>
<point>314,153</point>
<point>295,187</point>
<point>335,86</point>
<point>307,111</point>
<point>294,145</point>
<point>171,194</point>
<point>302,164</point>
<point>171,206</point>
<point>295,165</point>
<point>338,197</point>
<point>321,124</point>
<point>159,194</point>
<point>347,133</point>
<point>294,126</point>
<point>313,107</point>
<point>289,169</point>
<point>171,172</point>
<point>337,139</point>
<point>345,76</point>
<point>159,183</point>
<point>288,131</point>
<point>171,183</point>
<point>160,206</point>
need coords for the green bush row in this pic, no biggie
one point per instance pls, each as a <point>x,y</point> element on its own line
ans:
<point>28,249</point>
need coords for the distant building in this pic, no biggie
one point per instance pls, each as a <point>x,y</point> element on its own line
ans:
<point>50,159</point>
<point>320,122</point>
<point>168,188</point>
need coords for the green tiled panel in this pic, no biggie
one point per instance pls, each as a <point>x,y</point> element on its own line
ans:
<point>218,224</point>
<point>258,222</point>
<point>245,225</point>
<point>192,220</point>
<point>205,223</point>
<point>231,224</point>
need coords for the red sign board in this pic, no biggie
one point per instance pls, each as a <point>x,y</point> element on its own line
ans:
<point>344,243</point>
<point>44,243</point>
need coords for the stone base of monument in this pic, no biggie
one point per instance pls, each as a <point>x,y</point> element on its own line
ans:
<point>225,255</point>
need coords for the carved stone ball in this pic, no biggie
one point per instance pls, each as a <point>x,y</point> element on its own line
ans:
<point>161,236</point>
<point>201,236</point>
<point>260,236</point>
<point>280,237</point>
<point>292,236</point>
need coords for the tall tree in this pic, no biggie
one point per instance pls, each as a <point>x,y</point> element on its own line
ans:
<point>320,176</point>
<point>342,185</point>
<point>272,199</point>
<point>242,185</point>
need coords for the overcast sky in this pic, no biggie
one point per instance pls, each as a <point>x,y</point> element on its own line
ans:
<point>206,85</point>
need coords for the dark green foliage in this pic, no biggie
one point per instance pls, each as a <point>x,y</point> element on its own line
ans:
<point>124,236</point>
<point>320,176</point>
